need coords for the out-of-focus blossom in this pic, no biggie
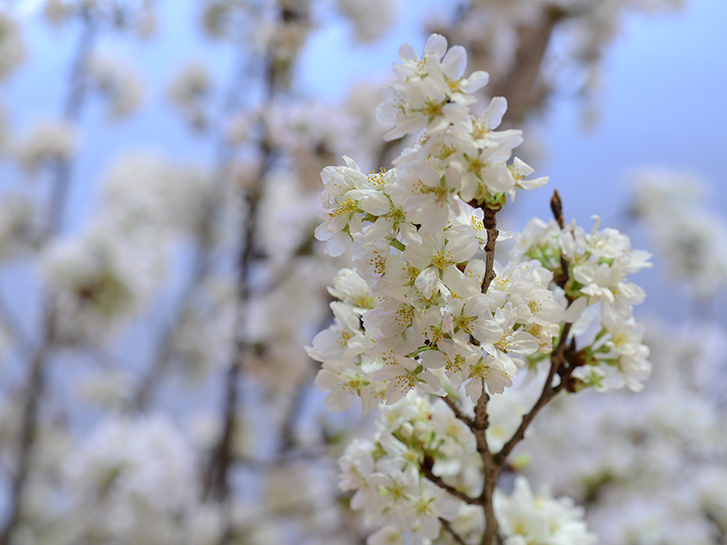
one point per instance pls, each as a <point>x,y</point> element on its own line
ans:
<point>189,90</point>
<point>56,11</point>
<point>370,19</point>
<point>18,224</point>
<point>12,47</point>
<point>529,519</point>
<point>46,142</point>
<point>144,190</point>
<point>691,238</point>
<point>98,280</point>
<point>118,82</point>
<point>132,480</point>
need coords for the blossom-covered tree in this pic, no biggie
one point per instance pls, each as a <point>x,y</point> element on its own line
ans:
<point>155,388</point>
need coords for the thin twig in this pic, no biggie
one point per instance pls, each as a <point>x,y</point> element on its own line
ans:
<point>216,479</point>
<point>458,412</point>
<point>490,223</point>
<point>71,113</point>
<point>454,535</point>
<point>36,380</point>
<point>491,468</point>
<point>12,323</point>
<point>557,359</point>
<point>426,467</point>
<point>286,442</point>
<point>202,261</point>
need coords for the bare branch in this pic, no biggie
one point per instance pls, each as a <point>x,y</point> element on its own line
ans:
<point>203,260</point>
<point>35,384</point>
<point>491,467</point>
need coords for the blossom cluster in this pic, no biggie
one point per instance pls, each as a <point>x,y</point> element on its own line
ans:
<point>596,266</point>
<point>539,519</point>
<point>389,485</point>
<point>107,274</point>
<point>12,47</point>
<point>417,300</point>
<point>417,285</point>
<point>385,473</point>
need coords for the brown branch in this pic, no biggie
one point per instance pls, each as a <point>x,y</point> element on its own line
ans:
<point>458,412</point>
<point>519,85</point>
<point>491,468</point>
<point>557,360</point>
<point>454,535</point>
<point>28,432</point>
<point>71,112</point>
<point>286,442</point>
<point>426,467</point>
<point>15,327</point>
<point>494,463</point>
<point>203,261</point>
<point>490,223</point>
<point>35,384</point>
<point>216,480</point>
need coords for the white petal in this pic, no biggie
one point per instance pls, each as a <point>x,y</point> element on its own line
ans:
<point>494,112</point>
<point>436,45</point>
<point>455,62</point>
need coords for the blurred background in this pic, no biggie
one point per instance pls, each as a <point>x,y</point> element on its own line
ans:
<point>159,276</point>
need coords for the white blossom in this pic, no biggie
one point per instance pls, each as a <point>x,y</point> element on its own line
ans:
<point>370,19</point>
<point>18,225</point>
<point>46,142</point>
<point>12,47</point>
<point>527,518</point>
<point>691,238</point>
<point>118,82</point>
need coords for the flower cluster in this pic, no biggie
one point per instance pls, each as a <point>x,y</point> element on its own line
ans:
<point>398,477</point>
<point>426,309</point>
<point>370,19</point>
<point>593,268</point>
<point>12,47</point>
<point>18,225</point>
<point>130,481</point>
<point>385,475</point>
<point>47,141</point>
<point>624,450</point>
<point>528,519</point>
<point>415,301</point>
<point>418,298</point>
<point>189,91</point>
<point>118,82</point>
